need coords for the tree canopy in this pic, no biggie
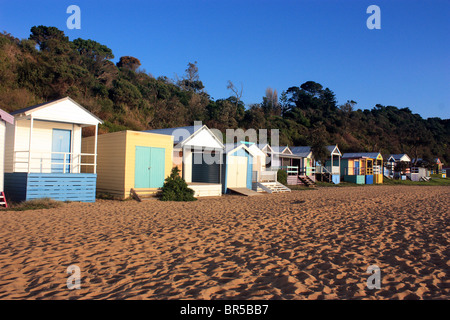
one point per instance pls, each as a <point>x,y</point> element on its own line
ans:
<point>48,66</point>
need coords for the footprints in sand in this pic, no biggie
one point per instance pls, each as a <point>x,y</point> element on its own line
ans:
<point>301,245</point>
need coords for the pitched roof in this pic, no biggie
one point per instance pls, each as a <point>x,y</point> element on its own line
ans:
<point>180,133</point>
<point>371,155</point>
<point>332,148</point>
<point>5,116</point>
<point>231,147</point>
<point>184,134</point>
<point>303,151</point>
<point>397,157</point>
<point>27,111</point>
<point>279,149</point>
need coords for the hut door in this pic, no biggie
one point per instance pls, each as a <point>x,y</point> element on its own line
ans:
<point>237,172</point>
<point>356,172</point>
<point>61,151</point>
<point>149,167</point>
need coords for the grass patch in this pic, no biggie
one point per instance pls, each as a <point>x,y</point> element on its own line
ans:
<point>432,182</point>
<point>35,204</point>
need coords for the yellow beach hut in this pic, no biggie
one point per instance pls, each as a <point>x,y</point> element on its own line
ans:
<point>131,162</point>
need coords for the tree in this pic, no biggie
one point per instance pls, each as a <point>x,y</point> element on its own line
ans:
<point>48,38</point>
<point>130,63</point>
<point>270,102</point>
<point>191,80</point>
<point>93,50</point>
<point>237,93</point>
<point>312,88</point>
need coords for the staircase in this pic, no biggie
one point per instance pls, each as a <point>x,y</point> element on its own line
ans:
<point>3,200</point>
<point>145,194</point>
<point>325,176</point>
<point>273,187</point>
<point>307,181</point>
<point>387,176</point>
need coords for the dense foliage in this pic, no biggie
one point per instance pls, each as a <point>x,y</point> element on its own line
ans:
<point>49,66</point>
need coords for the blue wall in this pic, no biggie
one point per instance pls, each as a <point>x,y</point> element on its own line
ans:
<point>336,178</point>
<point>57,186</point>
<point>369,179</point>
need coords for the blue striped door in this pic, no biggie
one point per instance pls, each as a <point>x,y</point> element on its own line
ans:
<point>60,143</point>
<point>149,167</point>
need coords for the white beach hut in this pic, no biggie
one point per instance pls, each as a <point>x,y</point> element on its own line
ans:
<point>198,154</point>
<point>43,153</point>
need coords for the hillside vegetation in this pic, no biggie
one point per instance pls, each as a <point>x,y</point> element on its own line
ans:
<point>48,66</point>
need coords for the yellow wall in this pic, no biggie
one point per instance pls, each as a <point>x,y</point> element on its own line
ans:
<point>110,161</point>
<point>116,158</point>
<point>145,139</point>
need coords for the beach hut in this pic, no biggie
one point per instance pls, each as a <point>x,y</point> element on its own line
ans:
<point>438,166</point>
<point>238,162</point>
<point>393,161</point>
<point>4,119</point>
<point>362,168</point>
<point>274,154</point>
<point>259,159</point>
<point>301,169</point>
<point>131,163</point>
<point>198,152</point>
<point>333,164</point>
<point>43,157</point>
<point>263,180</point>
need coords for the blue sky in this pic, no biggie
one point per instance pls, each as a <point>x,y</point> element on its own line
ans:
<point>275,44</point>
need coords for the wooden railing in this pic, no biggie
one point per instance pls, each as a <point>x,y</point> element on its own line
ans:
<point>264,176</point>
<point>46,162</point>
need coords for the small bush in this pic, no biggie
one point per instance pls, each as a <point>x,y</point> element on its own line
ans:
<point>282,176</point>
<point>176,189</point>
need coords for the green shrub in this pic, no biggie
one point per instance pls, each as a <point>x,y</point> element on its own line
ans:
<point>176,189</point>
<point>282,176</point>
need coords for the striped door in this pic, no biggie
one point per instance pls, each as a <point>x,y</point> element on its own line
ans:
<point>149,167</point>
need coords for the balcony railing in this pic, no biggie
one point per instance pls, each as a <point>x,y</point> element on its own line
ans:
<point>264,176</point>
<point>54,162</point>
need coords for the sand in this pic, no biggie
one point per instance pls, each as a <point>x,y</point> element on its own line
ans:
<point>314,244</point>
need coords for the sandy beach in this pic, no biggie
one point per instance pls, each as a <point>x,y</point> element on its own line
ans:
<point>314,244</point>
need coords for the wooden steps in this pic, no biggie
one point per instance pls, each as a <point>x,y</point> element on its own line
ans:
<point>145,194</point>
<point>3,200</point>
<point>273,187</point>
<point>326,177</point>
<point>307,181</point>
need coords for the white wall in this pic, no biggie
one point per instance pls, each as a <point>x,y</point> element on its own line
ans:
<point>41,145</point>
